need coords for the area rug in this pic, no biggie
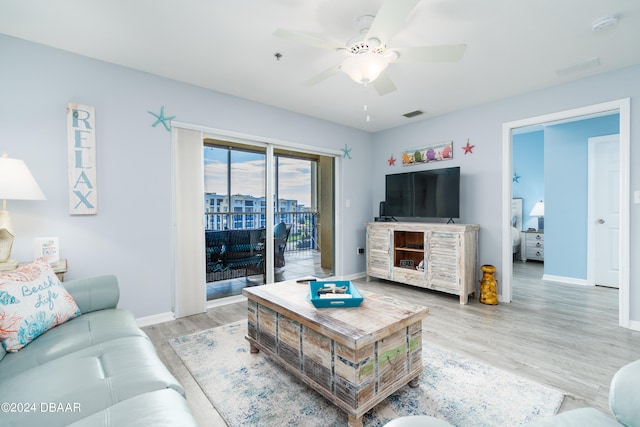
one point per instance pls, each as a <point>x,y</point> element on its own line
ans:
<point>251,390</point>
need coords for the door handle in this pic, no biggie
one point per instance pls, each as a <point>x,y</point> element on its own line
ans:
<point>601,221</point>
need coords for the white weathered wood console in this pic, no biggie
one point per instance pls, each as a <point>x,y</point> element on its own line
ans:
<point>395,251</point>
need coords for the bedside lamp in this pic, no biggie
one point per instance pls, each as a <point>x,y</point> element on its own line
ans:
<point>538,210</point>
<point>16,183</point>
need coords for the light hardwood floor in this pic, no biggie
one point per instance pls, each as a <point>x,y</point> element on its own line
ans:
<point>564,336</point>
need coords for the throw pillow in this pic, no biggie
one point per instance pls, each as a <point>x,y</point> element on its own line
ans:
<point>32,301</point>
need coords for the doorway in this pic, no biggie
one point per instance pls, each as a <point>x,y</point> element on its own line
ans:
<point>623,108</point>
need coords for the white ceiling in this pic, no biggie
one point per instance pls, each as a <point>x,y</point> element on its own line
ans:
<point>513,47</point>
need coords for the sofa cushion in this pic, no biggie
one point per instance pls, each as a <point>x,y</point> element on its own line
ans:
<point>163,408</point>
<point>32,301</point>
<point>77,334</point>
<point>86,382</point>
<point>417,421</point>
<point>94,293</point>
<point>624,396</point>
<point>583,417</point>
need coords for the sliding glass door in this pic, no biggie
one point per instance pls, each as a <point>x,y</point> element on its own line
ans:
<point>246,213</point>
<point>237,249</point>
<point>234,211</point>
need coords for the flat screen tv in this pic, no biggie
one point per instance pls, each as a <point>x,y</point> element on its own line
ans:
<point>433,193</point>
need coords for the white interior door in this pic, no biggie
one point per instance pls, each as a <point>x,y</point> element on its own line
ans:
<point>604,204</point>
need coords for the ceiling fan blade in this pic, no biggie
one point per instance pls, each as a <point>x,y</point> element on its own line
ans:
<point>443,53</point>
<point>307,39</point>
<point>390,18</point>
<point>322,76</point>
<point>383,84</point>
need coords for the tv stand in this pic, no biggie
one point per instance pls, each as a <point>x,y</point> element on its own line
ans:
<point>438,256</point>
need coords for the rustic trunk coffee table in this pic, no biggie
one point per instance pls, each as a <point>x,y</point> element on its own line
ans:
<point>355,357</point>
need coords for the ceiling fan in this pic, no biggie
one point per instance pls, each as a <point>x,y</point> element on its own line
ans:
<point>368,55</point>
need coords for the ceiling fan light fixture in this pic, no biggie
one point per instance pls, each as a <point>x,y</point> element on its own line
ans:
<point>364,67</point>
<point>391,55</point>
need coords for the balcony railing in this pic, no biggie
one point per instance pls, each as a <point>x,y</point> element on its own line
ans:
<point>304,226</point>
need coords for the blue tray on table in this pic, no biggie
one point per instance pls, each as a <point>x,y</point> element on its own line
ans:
<point>352,297</point>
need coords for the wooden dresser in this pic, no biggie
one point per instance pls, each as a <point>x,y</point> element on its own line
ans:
<point>436,256</point>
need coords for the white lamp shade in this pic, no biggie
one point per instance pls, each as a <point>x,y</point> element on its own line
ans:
<point>16,181</point>
<point>364,67</point>
<point>538,209</point>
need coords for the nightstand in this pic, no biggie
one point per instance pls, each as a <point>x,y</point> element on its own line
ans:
<point>60,267</point>
<point>532,245</point>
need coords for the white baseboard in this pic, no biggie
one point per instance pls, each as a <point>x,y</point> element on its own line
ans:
<point>354,276</point>
<point>562,279</point>
<point>225,301</point>
<point>634,325</point>
<point>155,319</point>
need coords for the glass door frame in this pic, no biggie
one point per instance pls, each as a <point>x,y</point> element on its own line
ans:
<point>270,144</point>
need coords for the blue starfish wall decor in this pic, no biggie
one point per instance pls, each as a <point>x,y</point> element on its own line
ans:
<point>516,177</point>
<point>346,152</point>
<point>161,118</point>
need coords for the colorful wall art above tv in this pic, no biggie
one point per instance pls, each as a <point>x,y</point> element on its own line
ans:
<point>432,193</point>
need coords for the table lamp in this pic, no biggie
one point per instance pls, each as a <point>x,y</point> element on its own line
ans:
<point>538,210</point>
<point>16,183</point>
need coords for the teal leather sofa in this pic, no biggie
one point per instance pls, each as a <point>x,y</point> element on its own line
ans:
<point>624,402</point>
<point>98,369</point>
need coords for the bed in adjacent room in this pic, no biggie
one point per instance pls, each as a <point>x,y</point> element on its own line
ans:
<point>516,226</point>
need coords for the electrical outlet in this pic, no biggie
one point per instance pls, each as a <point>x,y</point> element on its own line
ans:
<point>360,251</point>
<point>636,197</point>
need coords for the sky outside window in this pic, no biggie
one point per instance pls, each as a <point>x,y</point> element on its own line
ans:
<point>247,175</point>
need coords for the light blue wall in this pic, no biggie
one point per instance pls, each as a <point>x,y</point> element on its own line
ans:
<point>481,171</point>
<point>528,163</point>
<point>565,170</point>
<point>131,234</point>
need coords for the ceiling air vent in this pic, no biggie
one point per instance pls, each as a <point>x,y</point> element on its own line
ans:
<point>580,66</point>
<point>413,114</point>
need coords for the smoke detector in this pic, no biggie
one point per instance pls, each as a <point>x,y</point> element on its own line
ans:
<point>604,23</point>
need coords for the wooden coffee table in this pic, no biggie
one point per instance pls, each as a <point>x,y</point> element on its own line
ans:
<point>355,357</point>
